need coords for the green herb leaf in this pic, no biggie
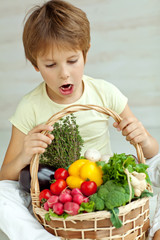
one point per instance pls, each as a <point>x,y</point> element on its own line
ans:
<point>47,217</point>
<point>115,219</point>
<point>86,207</point>
<point>52,214</point>
<point>146,193</point>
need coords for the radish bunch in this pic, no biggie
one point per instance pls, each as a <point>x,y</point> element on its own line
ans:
<point>68,201</point>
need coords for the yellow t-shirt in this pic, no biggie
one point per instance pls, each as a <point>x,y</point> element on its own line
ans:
<point>36,108</point>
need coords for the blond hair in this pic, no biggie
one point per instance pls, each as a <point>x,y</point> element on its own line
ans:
<point>56,23</point>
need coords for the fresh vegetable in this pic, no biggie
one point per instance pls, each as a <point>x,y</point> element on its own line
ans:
<point>98,202</point>
<point>113,194</point>
<point>58,186</point>
<point>74,169</point>
<point>45,175</point>
<point>67,190</point>
<point>83,169</point>
<point>66,146</point>
<point>45,195</point>
<point>65,197</point>
<point>92,155</point>
<point>74,182</point>
<point>46,207</point>
<point>86,207</point>
<point>114,169</point>
<point>75,191</point>
<point>58,208</point>
<point>88,188</point>
<point>61,173</point>
<point>71,208</point>
<point>78,198</point>
<point>138,182</point>
<point>52,200</point>
<point>91,171</point>
<point>116,190</point>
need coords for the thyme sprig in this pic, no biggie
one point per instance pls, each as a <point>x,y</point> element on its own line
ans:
<point>66,146</point>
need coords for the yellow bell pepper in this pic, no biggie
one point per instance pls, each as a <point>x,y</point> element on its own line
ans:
<point>91,171</point>
<point>74,182</point>
<point>83,169</point>
<point>74,168</point>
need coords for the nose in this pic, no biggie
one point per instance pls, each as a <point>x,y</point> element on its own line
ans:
<point>64,72</point>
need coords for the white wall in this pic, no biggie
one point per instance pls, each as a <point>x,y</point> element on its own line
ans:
<point>125,50</point>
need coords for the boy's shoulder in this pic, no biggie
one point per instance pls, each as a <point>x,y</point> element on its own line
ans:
<point>98,83</point>
<point>34,94</point>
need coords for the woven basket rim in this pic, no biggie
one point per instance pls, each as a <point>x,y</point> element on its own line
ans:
<point>98,214</point>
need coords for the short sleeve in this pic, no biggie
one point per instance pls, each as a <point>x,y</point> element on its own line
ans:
<point>114,98</point>
<point>23,118</point>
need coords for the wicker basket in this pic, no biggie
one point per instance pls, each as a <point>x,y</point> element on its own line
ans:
<point>95,225</point>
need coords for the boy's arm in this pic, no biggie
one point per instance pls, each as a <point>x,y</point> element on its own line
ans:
<point>135,133</point>
<point>21,149</point>
<point>157,235</point>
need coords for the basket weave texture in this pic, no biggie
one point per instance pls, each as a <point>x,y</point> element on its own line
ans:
<point>95,225</point>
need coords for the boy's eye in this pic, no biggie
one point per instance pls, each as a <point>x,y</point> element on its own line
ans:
<point>50,65</point>
<point>73,61</point>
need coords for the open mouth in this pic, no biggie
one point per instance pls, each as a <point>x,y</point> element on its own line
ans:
<point>66,89</point>
<point>66,86</point>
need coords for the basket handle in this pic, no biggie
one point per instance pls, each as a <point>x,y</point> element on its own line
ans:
<point>57,116</point>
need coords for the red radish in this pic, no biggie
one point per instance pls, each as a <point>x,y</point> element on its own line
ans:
<point>65,197</point>
<point>75,191</point>
<point>58,208</point>
<point>53,199</point>
<point>85,199</point>
<point>78,198</point>
<point>71,208</point>
<point>66,190</point>
<point>46,207</point>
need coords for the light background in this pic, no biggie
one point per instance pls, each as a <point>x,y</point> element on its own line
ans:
<point>125,50</point>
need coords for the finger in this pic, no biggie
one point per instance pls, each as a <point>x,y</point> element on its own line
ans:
<point>40,128</point>
<point>129,129</point>
<point>38,143</point>
<point>133,135</point>
<point>51,136</point>
<point>38,150</point>
<point>115,124</point>
<point>125,122</point>
<point>39,137</point>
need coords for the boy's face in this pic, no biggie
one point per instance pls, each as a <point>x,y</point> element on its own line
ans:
<point>62,71</point>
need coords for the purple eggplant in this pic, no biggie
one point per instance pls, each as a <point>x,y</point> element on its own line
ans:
<point>45,175</point>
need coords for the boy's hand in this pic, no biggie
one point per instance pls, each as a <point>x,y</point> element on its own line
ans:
<point>133,130</point>
<point>36,142</point>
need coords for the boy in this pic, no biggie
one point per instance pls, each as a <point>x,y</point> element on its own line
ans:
<point>56,41</point>
<point>154,174</point>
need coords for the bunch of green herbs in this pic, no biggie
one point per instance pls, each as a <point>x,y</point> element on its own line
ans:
<point>114,169</point>
<point>66,146</point>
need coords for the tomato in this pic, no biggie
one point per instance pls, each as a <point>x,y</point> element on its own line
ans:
<point>58,186</point>
<point>45,194</point>
<point>61,173</point>
<point>88,188</point>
